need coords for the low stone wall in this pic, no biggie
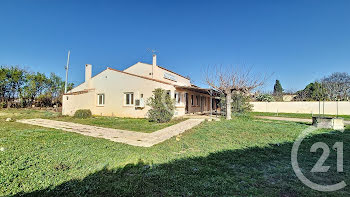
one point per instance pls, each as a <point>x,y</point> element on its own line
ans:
<point>309,107</point>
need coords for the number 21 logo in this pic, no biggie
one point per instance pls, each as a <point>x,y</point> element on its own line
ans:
<point>319,167</point>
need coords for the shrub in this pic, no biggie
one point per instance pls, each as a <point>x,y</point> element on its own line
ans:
<point>83,113</point>
<point>265,98</point>
<point>240,103</point>
<point>162,106</point>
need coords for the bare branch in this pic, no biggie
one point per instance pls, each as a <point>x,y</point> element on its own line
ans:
<point>232,79</point>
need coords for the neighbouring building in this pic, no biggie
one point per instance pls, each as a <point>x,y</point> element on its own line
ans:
<point>289,97</point>
<point>124,93</point>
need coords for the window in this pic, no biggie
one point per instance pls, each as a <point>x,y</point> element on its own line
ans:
<point>177,97</point>
<point>197,100</point>
<point>129,98</point>
<point>100,99</point>
<point>192,101</point>
<point>169,76</point>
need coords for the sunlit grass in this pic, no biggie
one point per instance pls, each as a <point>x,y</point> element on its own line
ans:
<point>244,157</point>
<point>295,115</point>
<point>131,124</point>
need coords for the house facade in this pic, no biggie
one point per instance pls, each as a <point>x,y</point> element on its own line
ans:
<point>124,93</point>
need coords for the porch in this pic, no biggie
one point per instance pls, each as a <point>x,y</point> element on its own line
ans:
<point>196,101</point>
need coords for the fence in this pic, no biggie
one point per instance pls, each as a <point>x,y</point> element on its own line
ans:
<point>310,107</point>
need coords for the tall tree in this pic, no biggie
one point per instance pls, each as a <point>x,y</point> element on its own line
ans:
<point>312,92</point>
<point>16,84</point>
<point>3,84</point>
<point>277,89</point>
<point>56,88</point>
<point>15,81</point>
<point>35,86</point>
<point>231,80</point>
<point>337,86</point>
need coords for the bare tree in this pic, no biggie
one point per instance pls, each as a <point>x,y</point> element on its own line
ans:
<point>337,86</point>
<point>231,80</point>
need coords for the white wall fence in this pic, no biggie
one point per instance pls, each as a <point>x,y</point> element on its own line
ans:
<point>308,107</point>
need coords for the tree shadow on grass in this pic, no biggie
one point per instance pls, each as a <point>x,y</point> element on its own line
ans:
<point>257,171</point>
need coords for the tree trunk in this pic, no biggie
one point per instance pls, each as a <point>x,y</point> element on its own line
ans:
<point>228,104</point>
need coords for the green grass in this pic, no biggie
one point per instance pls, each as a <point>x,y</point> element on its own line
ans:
<point>242,157</point>
<point>294,115</point>
<point>131,124</point>
<point>16,114</point>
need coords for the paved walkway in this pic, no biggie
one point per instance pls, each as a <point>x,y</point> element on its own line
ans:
<point>292,119</point>
<point>117,135</point>
<point>199,116</point>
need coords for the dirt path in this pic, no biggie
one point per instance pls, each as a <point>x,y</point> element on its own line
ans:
<point>118,135</point>
<point>292,119</point>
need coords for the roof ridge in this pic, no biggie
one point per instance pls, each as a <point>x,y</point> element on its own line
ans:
<point>168,70</point>
<point>156,80</point>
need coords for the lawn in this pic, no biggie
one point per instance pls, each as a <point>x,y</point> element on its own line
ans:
<point>294,115</point>
<point>243,156</point>
<point>131,124</point>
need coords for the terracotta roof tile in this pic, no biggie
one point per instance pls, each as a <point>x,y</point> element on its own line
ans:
<point>156,80</point>
<point>169,71</point>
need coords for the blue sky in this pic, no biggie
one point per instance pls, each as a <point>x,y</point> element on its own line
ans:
<point>298,41</point>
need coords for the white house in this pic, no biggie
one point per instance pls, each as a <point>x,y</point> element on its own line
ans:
<point>124,93</point>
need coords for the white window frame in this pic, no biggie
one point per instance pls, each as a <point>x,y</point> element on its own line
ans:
<point>131,99</point>
<point>103,99</point>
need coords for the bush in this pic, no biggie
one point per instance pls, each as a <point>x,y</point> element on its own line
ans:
<point>162,106</point>
<point>240,103</point>
<point>265,98</point>
<point>43,100</point>
<point>83,113</point>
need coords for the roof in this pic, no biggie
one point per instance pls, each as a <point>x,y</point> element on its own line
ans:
<point>77,92</point>
<point>156,80</point>
<point>169,71</point>
<point>85,91</point>
<point>194,89</point>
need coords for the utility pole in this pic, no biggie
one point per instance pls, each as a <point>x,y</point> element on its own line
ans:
<point>67,67</point>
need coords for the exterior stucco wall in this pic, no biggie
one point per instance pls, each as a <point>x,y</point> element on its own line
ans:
<point>113,85</point>
<point>143,69</point>
<point>181,81</point>
<point>302,107</point>
<point>71,103</point>
<point>80,87</point>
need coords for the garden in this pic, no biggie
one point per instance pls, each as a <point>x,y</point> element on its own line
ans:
<point>243,156</point>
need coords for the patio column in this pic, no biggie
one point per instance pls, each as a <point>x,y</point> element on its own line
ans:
<point>211,103</point>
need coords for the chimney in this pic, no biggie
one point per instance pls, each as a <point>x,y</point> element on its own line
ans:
<point>88,72</point>
<point>154,64</point>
